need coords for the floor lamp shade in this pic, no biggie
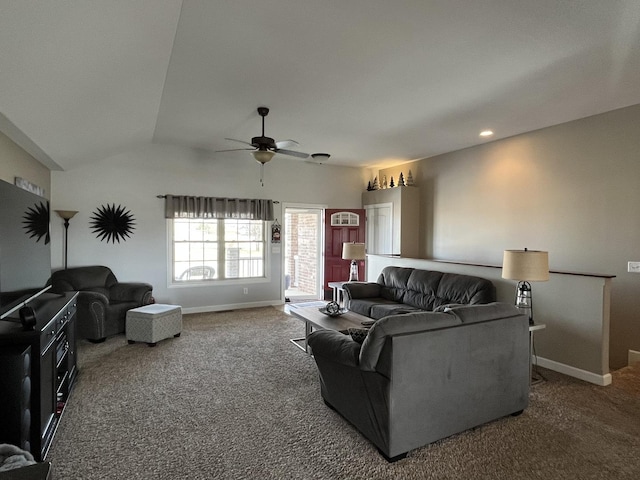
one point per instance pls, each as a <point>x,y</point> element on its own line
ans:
<point>353,252</point>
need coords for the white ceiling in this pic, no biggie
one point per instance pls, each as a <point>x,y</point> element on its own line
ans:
<point>372,82</point>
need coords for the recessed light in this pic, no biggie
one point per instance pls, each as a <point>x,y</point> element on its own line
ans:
<point>486,133</point>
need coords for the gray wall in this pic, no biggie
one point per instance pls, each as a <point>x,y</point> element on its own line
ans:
<point>15,162</point>
<point>134,179</point>
<point>571,189</point>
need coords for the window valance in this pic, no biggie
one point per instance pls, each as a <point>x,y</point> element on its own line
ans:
<point>183,206</point>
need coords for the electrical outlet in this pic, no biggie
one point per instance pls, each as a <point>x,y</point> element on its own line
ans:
<point>633,267</point>
<point>246,290</point>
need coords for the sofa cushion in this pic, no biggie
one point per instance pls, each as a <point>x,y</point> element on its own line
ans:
<point>422,289</point>
<point>363,305</point>
<point>394,283</point>
<point>385,309</point>
<point>456,288</point>
<point>400,324</point>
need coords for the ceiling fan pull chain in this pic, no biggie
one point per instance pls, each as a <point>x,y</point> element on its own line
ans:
<point>262,174</point>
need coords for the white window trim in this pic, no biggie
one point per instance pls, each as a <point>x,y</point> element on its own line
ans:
<point>171,283</point>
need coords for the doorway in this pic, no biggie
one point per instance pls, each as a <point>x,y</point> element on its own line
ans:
<point>303,272</point>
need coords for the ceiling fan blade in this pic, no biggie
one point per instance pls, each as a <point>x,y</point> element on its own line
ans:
<point>291,152</point>
<point>287,144</point>
<point>240,141</point>
<point>233,150</point>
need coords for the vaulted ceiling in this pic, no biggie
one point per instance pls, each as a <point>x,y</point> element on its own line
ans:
<point>371,82</point>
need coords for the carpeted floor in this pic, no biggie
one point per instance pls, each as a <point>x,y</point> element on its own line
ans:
<point>232,399</point>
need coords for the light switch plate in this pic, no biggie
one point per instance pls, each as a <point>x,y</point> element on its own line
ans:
<point>633,267</point>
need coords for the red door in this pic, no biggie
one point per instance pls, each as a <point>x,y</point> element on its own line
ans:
<point>340,226</point>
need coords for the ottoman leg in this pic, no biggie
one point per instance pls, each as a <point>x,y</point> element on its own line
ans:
<point>131,341</point>
<point>152,344</point>
<point>177,335</point>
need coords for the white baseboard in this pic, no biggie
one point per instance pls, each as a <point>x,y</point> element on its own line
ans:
<point>602,380</point>
<point>231,306</point>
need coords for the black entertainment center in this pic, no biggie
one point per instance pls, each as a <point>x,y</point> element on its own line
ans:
<point>38,370</point>
<point>37,328</point>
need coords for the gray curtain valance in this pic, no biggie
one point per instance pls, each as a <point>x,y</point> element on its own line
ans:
<point>183,206</point>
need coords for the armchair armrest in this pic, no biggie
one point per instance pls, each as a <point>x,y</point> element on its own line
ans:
<point>89,296</point>
<point>362,290</point>
<point>130,292</point>
<point>335,346</point>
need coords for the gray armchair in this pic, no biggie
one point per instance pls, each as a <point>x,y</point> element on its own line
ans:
<point>103,302</point>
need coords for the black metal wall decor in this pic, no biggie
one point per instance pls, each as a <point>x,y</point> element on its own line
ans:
<point>36,222</point>
<point>111,223</point>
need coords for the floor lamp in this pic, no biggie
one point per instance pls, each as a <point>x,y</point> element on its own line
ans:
<point>525,266</point>
<point>353,252</point>
<point>66,215</point>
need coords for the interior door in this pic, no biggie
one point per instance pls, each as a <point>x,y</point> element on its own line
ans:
<point>340,226</point>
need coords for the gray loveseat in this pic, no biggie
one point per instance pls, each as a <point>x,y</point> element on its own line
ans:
<point>405,290</point>
<point>423,376</point>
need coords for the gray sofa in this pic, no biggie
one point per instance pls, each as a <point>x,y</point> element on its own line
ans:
<point>405,290</point>
<point>423,376</point>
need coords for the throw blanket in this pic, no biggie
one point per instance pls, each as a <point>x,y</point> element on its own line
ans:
<point>13,457</point>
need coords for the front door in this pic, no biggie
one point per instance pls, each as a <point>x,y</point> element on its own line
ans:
<point>341,226</point>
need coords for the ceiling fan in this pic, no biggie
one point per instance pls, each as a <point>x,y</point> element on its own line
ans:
<point>264,148</point>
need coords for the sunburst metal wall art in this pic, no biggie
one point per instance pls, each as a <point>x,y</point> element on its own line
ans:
<point>36,222</point>
<point>111,223</point>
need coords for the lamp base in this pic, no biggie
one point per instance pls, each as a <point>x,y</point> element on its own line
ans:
<point>524,300</point>
<point>353,273</point>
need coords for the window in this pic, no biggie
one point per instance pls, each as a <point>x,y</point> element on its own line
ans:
<point>217,249</point>
<point>345,218</point>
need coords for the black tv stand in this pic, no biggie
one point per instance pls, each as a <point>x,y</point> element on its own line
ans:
<point>37,372</point>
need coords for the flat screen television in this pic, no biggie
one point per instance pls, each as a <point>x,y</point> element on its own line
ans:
<point>25,250</point>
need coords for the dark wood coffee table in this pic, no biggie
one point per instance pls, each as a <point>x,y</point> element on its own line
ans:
<point>314,319</point>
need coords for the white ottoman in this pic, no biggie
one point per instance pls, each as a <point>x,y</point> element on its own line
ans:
<point>153,323</point>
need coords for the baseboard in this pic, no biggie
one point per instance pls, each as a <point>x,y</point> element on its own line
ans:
<point>602,380</point>
<point>231,306</point>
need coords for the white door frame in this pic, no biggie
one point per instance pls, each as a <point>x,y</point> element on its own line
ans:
<point>320,266</point>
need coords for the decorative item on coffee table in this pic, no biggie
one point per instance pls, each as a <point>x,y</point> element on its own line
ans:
<point>332,309</point>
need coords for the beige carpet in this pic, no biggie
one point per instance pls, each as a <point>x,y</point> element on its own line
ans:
<point>232,398</point>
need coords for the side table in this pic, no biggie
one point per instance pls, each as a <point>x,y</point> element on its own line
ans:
<point>338,292</point>
<point>532,330</point>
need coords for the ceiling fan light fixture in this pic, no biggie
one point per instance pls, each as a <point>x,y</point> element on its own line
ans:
<point>263,156</point>
<point>320,157</point>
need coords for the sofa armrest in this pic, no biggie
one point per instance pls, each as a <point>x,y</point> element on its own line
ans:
<point>362,290</point>
<point>130,292</point>
<point>336,346</point>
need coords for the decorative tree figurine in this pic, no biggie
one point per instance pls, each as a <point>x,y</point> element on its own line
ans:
<point>369,187</point>
<point>410,179</point>
<point>401,180</point>
<point>375,184</point>
<point>384,181</point>
<point>391,185</point>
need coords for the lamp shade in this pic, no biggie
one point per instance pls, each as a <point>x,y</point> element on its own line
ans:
<point>66,214</point>
<point>526,265</point>
<point>353,251</point>
<point>263,156</point>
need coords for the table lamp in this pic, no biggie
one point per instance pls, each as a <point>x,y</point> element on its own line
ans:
<point>353,252</point>
<point>525,266</point>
